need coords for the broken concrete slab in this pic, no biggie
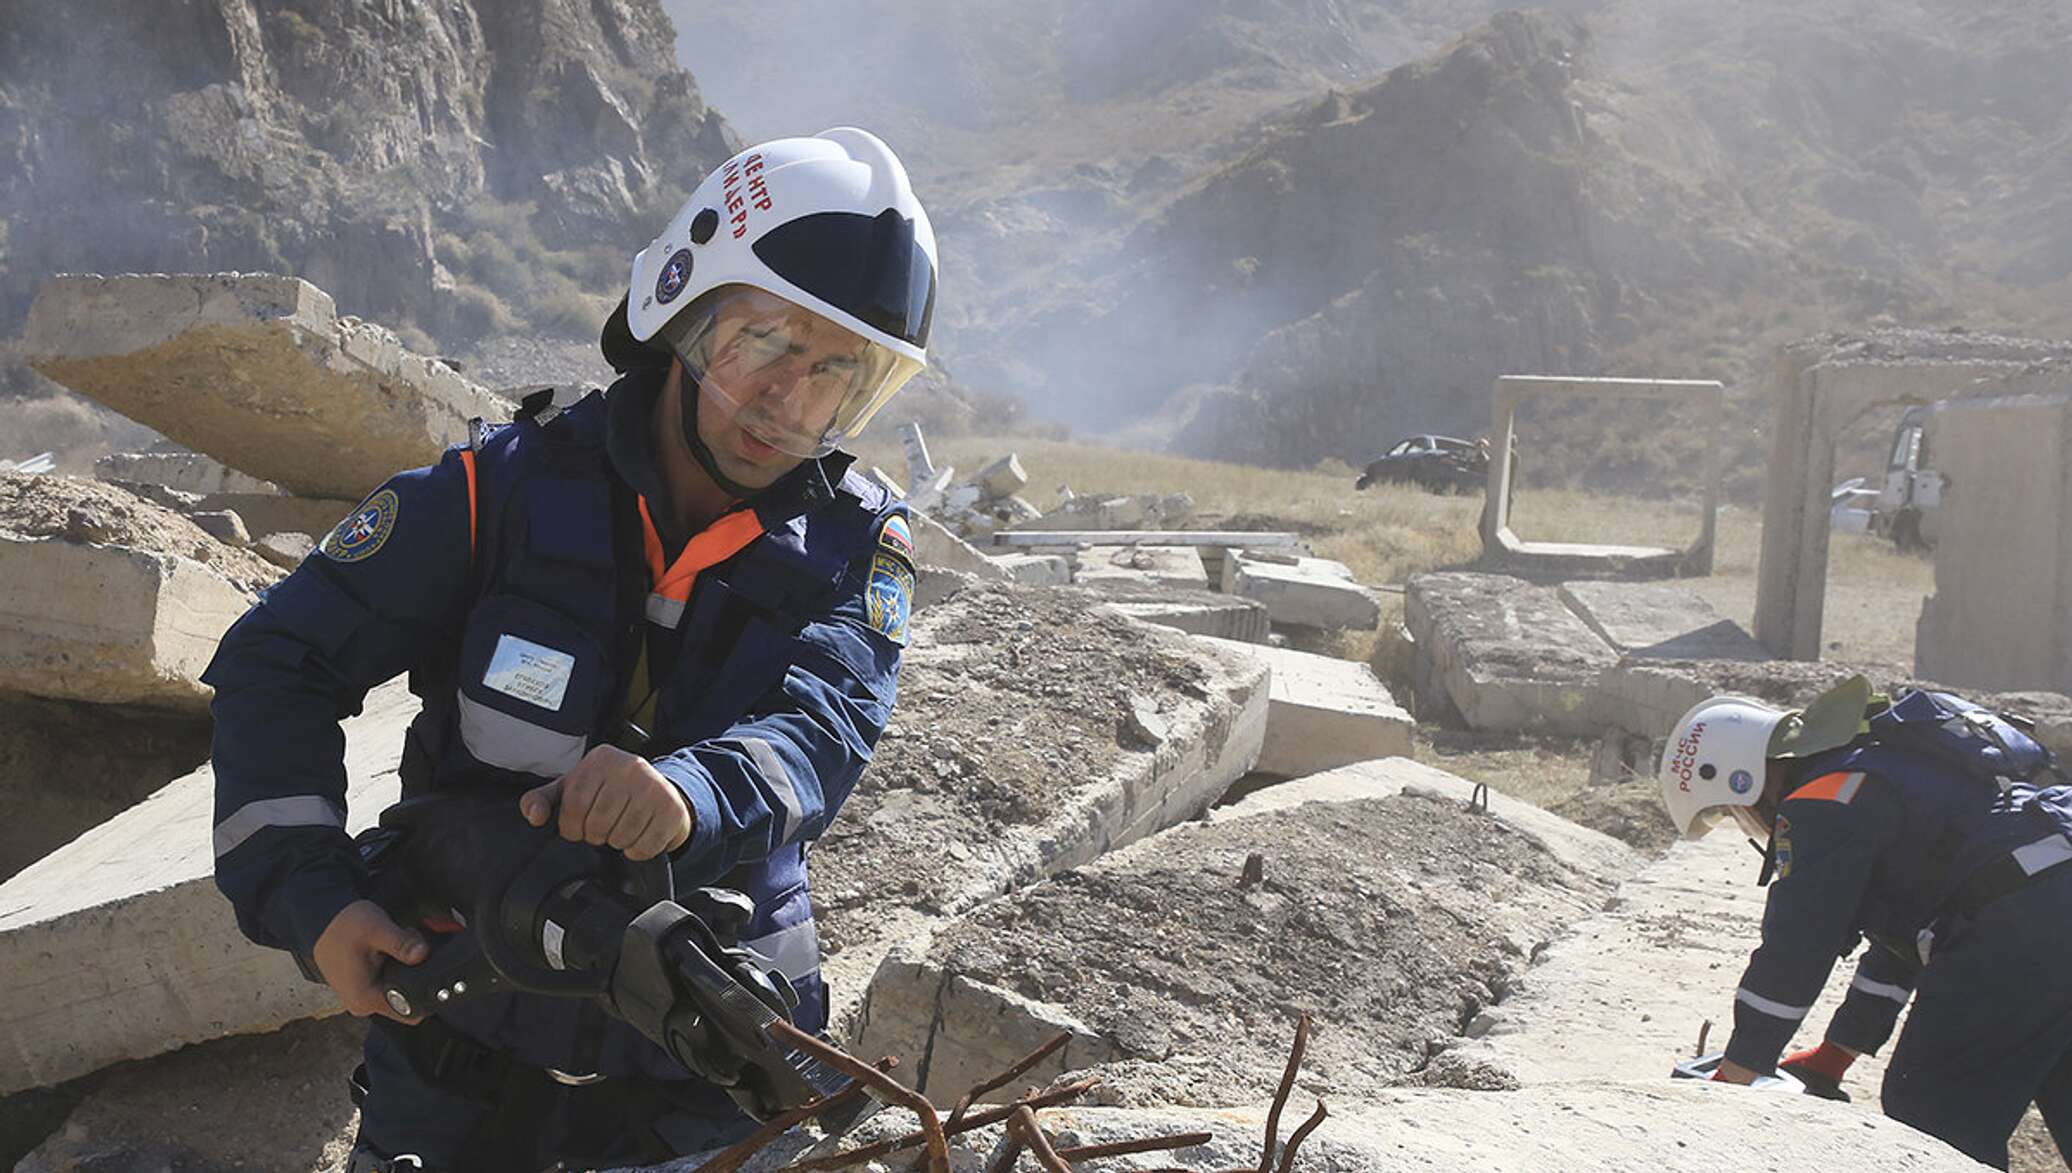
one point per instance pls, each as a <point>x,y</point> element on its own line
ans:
<point>1659,620</point>
<point>1324,712</point>
<point>285,550</point>
<point>1503,654</point>
<point>1614,1127</point>
<point>1421,905</point>
<point>935,545</point>
<point>257,371</point>
<point>1645,697</point>
<point>1143,566</point>
<point>118,946</point>
<point>189,472</point>
<point>223,525</point>
<point>1012,756</point>
<point>1036,569</point>
<point>105,597</point>
<point>1314,593</point>
<point>1003,478</point>
<point>1201,613</point>
<point>1241,539</point>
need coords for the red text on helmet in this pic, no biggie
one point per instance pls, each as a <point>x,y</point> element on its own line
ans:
<point>739,199</point>
<point>1686,756</point>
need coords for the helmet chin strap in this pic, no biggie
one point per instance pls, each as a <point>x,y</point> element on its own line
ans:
<point>688,404</point>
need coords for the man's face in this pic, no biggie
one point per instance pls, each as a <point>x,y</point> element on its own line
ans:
<point>776,378</point>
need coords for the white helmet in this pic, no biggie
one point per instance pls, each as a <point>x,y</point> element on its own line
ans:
<point>827,224</point>
<point>1715,761</point>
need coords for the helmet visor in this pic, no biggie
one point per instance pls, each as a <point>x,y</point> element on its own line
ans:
<point>785,375</point>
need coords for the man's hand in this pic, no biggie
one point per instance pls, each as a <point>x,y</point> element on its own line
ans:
<point>351,950</point>
<point>613,799</point>
<point>1821,1069</point>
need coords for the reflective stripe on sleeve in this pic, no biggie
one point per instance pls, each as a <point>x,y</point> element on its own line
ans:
<point>794,951</point>
<point>1881,989</point>
<point>301,810</point>
<point>772,769</point>
<point>1770,1007</point>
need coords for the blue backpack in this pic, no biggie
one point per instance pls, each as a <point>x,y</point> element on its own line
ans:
<point>1968,738</point>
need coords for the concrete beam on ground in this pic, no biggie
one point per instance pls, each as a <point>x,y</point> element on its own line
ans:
<point>257,371</point>
<point>1314,593</point>
<point>189,472</point>
<point>1036,569</point>
<point>117,946</point>
<point>1202,613</point>
<point>1659,620</point>
<point>1150,566</point>
<point>1503,653</point>
<point>935,545</point>
<point>109,624</point>
<point>1325,712</point>
<point>1238,539</point>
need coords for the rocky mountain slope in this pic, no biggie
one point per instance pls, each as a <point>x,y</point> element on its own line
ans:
<point>460,169</point>
<point>1142,234</point>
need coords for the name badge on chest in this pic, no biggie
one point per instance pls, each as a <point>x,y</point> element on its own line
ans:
<point>533,673</point>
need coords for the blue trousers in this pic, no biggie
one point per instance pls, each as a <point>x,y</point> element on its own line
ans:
<point>1991,1026</point>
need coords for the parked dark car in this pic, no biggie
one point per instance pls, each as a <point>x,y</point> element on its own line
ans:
<point>1440,464</point>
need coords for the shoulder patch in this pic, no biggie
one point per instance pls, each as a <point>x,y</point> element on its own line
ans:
<point>1780,846</point>
<point>1836,787</point>
<point>897,537</point>
<point>364,530</point>
<point>889,596</point>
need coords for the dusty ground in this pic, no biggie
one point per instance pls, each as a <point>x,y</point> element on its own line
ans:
<point>66,768</point>
<point>1391,921</point>
<point>89,511</point>
<point>1008,700</point>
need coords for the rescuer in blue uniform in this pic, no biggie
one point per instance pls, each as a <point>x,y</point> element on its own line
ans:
<point>1936,832</point>
<point>665,616</point>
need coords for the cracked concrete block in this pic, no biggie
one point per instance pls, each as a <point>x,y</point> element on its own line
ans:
<point>257,371</point>
<point>1036,569</point>
<point>117,946</point>
<point>1013,754</point>
<point>224,525</point>
<point>1645,697</point>
<point>1323,712</point>
<point>109,624</point>
<point>1305,592</point>
<point>189,472</point>
<point>1202,613</point>
<point>1003,478</point>
<point>935,545</point>
<point>1387,898</point>
<point>1503,653</point>
<point>1146,566</point>
<point>1659,620</point>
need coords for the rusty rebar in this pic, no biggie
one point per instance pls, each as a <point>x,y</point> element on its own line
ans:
<point>1024,1119</point>
<point>735,1155</point>
<point>1010,1152</point>
<point>1008,1076</point>
<point>1301,1134</point>
<point>1118,1148</point>
<point>976,1120</point>
<point>933,1140</point>
<point>1280,1097</point>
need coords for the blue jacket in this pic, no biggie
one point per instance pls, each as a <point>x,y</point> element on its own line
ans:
<point>531,594</point>
<point>1874,843</point>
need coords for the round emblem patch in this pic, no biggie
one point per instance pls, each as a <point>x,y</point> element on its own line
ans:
<point>363,530</point>
<point>675,275</point>
<point>1741,782</point>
